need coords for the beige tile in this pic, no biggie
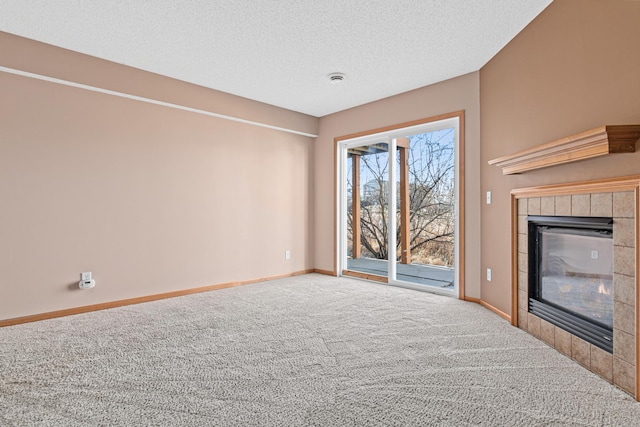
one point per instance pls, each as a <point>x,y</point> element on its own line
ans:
<point>534,206</point>
<point>523,243</point>
<point>624,232</point>
<point>624,318</point>
<point>523,281</point>
<point>602,363</point>
<point>522,206</point>
<point>548,205</point>
<point>581,351</point>
<point>624,346</point>
<point>624,261</point>
<point>624,375</point>
<point>524,238</point>
<point>581,205</point>
<point>547,332</point>
<point>522,224</point>
<point>522,319</point>
<point>602,204</point>
<point>523,300</point>
<point>624,204</point>
<point>563,205</point>
<point>533,325</point>
<point>523,264</point>
<point>563,341</point>
<point>624,289</point>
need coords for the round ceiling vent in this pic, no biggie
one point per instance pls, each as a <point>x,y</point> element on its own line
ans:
<point>336,78</point>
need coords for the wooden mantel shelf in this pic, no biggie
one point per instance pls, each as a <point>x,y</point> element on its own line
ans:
<point>593,143</point>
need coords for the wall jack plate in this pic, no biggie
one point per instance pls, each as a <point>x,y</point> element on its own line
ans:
<point>87,282</point>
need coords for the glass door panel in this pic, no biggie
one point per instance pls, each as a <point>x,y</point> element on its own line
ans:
<point>367,208</point>
<point>425,208</point>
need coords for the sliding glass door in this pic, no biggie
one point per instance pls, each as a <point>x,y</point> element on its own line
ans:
<point>399,206</point>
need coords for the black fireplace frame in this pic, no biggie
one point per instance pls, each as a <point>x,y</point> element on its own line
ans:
<point>593,332</point>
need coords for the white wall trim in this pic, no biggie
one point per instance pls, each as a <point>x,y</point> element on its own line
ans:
<point>149,100</point>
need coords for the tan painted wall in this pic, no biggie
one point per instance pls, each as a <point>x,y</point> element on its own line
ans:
<point>572,69</point>
<point>148,198</point>
<point>461,93</point>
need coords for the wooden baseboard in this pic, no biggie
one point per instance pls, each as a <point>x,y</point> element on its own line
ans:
<point>139,300</point>
<point>489,307</point>
<point>156,297</point>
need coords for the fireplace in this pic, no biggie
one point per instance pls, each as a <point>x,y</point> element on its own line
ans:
<point>571,275</point>
<point>594,207</point>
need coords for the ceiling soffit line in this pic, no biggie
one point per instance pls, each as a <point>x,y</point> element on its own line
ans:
<point>151,101</point>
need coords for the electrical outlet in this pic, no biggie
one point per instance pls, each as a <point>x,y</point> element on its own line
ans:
<point>86,281</point>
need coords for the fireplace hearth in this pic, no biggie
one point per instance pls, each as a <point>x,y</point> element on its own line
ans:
<point>571,275</point>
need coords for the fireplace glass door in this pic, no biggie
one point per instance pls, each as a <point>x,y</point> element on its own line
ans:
<point>577,273</point>
<point>571,275</point>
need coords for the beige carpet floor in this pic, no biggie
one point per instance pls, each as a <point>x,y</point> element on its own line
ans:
<point>306,351</point>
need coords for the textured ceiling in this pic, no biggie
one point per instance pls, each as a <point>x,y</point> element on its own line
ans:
<point>281,51</point>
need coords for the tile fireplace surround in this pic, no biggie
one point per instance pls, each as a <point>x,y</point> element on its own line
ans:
<point>617,198</point>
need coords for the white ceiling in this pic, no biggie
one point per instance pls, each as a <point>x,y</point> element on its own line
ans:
<point>281,51</point>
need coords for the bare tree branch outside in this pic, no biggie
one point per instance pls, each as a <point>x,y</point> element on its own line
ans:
<point>431,200</point>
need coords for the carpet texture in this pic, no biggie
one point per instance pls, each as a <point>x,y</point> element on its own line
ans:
<point>306,351</point>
